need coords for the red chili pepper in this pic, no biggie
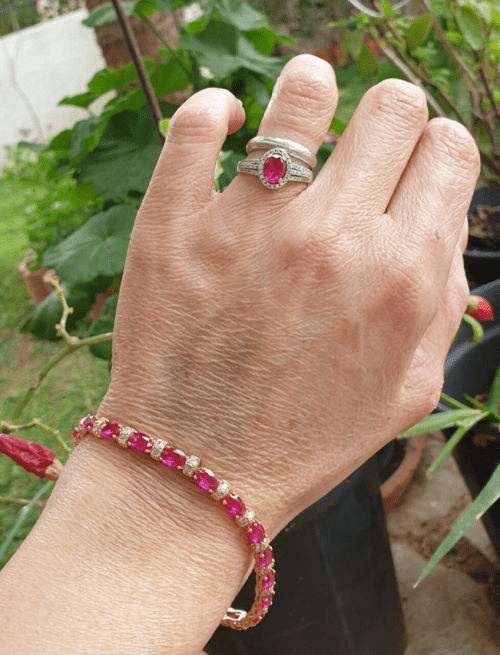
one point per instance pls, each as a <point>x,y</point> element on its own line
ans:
<point>33,457</point>
<point>479,308</point>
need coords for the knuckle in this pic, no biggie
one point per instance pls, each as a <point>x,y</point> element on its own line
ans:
<point>201,119</point>
<point>305,90</point>
<point>402,99</point>
<point>455,142</point>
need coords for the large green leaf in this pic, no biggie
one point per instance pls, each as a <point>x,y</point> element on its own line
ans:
<point>471,25</point>
<point>106,14</point>
<point>224,50</point>
<point>98,248</point>
<point>104,323</point>
<point>42,319</point>
<point>170,76</point>
<point>489,494</point>
<point>241,15</point>
<point>126,156</point>
<point>108,79</point>
<point>80,100</point>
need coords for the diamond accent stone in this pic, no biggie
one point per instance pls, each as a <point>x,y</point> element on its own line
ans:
<point>124,436</point>
<point>222,490</point>
<point>245,520</point>
<point>159,445</point>
<point>98,425</point>
<point>191,465</point>
<point>260,547</point>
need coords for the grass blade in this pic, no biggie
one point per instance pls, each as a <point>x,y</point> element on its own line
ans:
<point>441,421</point>
<point>493,402</point>
<point>489,494</point>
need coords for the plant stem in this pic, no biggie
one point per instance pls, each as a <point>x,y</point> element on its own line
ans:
<point>461,430</point>
<point>448,46</point>
<point>166,44</point>
<point>21,501</point>
<point>151,98</point>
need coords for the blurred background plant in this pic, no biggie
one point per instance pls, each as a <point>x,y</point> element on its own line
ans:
<point>450,48</point>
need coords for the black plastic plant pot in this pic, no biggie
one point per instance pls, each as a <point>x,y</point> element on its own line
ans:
<point>470,369</point>
<point>336,590</point>
<point>483,266</point>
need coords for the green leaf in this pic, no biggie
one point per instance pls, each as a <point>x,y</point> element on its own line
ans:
<point>241,15</point>
<point>80,100</point>
<point>219,166</point>
<point>98,248</point>
<point>355,44</point>
<point>494,48</point>
<point>224,50</point>
<point>105,14</point>
<point>387,8</point>
<point>489,494</point>
<point>107,79</point>
<point>163,125</point>
<point>472,26</point>
<point>104,324</point>
<point>493,401</point>
<point>126,156</point>
<point>495,17</point>
<point>85,136</point>
<point>367,63</point>
<point>337,126</point>
<point>463,427</point>
<point>42,319</point>
<point>440,421</point>
<point>485,9</point>
<point>265,39</point>
<point>418,30</point>
<point>170,76</point>
<point>131,99</point>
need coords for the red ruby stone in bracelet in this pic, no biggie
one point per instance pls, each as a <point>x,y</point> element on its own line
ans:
<point>219,489</point>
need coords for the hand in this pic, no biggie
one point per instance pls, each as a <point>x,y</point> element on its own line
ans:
<point>286,335</point>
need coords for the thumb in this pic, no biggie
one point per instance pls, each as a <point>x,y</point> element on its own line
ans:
<point>184,174</point>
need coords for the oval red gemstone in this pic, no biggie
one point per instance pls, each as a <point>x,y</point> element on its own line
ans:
<point>111,429</point>
<point>235,506</point>
<point>274,169</point>
<point>172,459</point>
<point>206,481</point>
<point>269,581</point>
<point>88,425</point>
<point>267,558</point>
<point>257,620</point>
<point>139,442</point>
<point>256,533</point>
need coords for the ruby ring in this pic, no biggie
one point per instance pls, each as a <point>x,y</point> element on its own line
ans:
<point>275,168</point>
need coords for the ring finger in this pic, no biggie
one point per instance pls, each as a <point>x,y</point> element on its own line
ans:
<point>301,110</point>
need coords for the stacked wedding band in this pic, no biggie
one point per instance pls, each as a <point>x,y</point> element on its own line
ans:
<point>275,168</point>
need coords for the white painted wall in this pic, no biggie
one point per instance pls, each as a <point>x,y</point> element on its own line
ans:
<point>49,61</point>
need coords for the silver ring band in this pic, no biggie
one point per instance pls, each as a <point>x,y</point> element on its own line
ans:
<point>275,169</point>
<point>293,148</point>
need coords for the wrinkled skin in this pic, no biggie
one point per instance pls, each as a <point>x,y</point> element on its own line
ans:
<point>286,335</point>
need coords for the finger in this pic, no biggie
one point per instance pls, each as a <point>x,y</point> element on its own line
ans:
<point>184,175</point>
<point>464,235</point>
<point>371,155</point>
<point>433,195</point>
<point>301,110</point>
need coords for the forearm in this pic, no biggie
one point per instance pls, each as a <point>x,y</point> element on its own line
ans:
<point>127,557</point>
